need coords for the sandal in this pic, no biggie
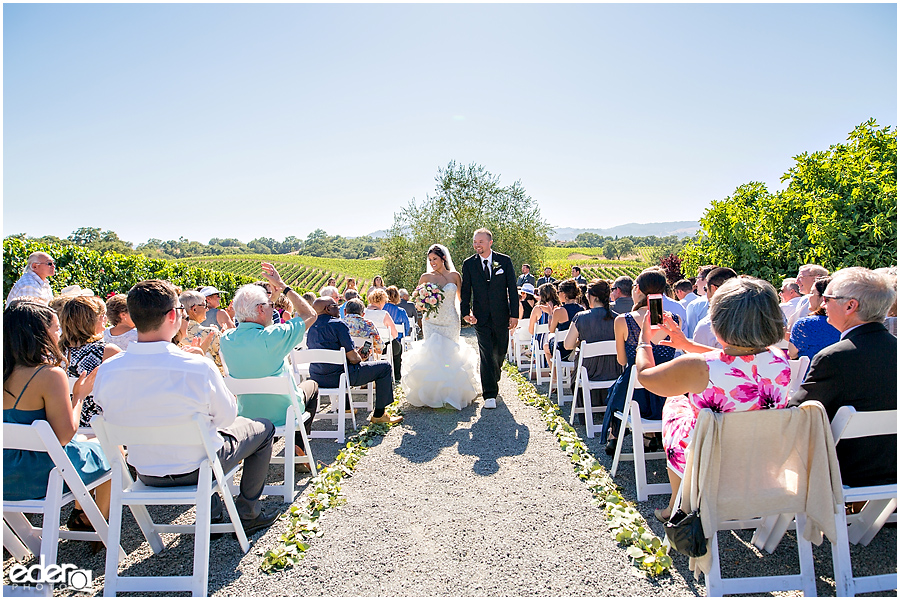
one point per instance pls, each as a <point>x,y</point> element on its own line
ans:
<point>78,521</point>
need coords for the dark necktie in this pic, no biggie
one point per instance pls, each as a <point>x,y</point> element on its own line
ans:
<point>487,270</point>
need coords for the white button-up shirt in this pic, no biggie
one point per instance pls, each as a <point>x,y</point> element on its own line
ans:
<point>156,383</point>
<point>30,285</point>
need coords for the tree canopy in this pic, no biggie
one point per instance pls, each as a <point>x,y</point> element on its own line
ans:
<point>839,209</point>
<point>465,199</point>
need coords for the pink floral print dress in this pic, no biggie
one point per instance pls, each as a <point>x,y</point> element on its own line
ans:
<point>736,383</point>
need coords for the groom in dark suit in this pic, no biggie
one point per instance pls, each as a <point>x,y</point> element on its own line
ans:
<point>489,286</point>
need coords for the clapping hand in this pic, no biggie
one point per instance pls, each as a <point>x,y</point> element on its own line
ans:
<point>84,385</point>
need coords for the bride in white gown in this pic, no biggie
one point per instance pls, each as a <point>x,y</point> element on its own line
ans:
<point>441,369</point>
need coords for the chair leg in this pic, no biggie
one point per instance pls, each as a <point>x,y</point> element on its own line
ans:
<point>805,554</point>
<point>50,526</point>
<point>13,544</point>
<point>200,576</point>
<point>871,519</point>
<point>640,463</point>
<point>714,577</point>
<point>619,439</point>
<point>111,574</point>
<point>288,492</point>
<point>308,449</point>
<point>840,558</point>
<point>23,528</point>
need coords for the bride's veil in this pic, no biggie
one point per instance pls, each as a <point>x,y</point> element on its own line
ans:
<point>448,262</point>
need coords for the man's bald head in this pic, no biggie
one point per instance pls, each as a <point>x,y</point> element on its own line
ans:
<point>321,305</point>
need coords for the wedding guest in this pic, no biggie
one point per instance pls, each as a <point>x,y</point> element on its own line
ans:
<point>156,382</point>
<point>360,327</point>
<point>703,332</point>
<point>378,312</point>
<point>697,309</point>
<point>583,297</point>
<point>527,301</point>
<point>410,309</point>
<point>621,295</point>
<point>569,295</point>
<point>577,276</point>
<point>860,371</point>
<point>684,291</point>
<point>790,297</point>
<point>215,316</point>
<point>549,301</point>
<point>627,329</point>
<point>332,282</point>
<point>260,348</point>
<point>378,282</point>
<point>36,388</point>
<point>39,267</point>
<point>526,276</point>
<point>194,306</point>
<point>330,333</point>
<point>285,308</point>
<point>547,278</point>
<point>330,291</point>
<point>595,325</point>
<point>806,277</point>
<point>748,373</point>
<point>122,331</point>
<point>276,318</point>
<point>83,320</point>
<point>813,333</point>
<point>309,297</point>
<point>351,284</point>
<point>890,321</point>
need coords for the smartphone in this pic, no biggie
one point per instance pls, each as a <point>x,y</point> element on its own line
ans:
<point>366,347</point>
<point>655,305</point>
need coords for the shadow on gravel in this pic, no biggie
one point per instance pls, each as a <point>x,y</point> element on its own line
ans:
<point>488,437</point>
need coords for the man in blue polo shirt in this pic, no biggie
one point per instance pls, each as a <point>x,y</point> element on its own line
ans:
<point>328,332</point>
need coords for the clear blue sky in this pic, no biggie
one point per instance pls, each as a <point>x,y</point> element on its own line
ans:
<point>212,120</point>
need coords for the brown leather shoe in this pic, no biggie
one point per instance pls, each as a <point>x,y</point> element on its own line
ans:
<point>387,419</point>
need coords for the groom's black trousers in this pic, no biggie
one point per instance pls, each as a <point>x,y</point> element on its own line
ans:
<point>493,342</point>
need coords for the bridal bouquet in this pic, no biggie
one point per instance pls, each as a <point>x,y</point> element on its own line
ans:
<point>428,298</point>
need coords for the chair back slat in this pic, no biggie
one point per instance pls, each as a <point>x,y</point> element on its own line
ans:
<point>185,434</point>
<point>331,357</point>
<point>23,437</point>
<point>849,423</point>
<point>594,349</point>
<point>541,328</point>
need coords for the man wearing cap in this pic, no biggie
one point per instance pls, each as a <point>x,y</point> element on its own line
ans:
<point>214,316</point>
<point>33,283</point>
<point>526,276</point>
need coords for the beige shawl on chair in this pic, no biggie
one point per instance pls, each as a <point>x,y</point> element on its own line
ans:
<point>760,463</point>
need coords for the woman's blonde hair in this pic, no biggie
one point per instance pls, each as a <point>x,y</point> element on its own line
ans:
<point>377,296</point>
<point>78,320</point>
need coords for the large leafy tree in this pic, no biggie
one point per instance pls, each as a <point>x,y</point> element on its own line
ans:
<point>839,209</point>
<point>465,199</point>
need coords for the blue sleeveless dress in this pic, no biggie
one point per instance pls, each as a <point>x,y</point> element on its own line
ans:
<point>25,472</point>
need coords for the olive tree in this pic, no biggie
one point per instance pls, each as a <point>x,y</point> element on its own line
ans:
<point>465,199</point>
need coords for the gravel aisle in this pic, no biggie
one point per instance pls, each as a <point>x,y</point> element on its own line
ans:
<point>470,503</point>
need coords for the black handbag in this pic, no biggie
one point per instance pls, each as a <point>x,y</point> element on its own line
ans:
<point>685,533</point>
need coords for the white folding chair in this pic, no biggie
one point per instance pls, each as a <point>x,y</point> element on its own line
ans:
<point>301,359</point>
<point>294,420</point>
<point>538,360</point>
<point>798,373</point>
<point>631,419</point>
<point>388,354</point>
<point>84,431</point>
<point>718,586</point>
<point>520,343</point>
<point>562,370</point>
<point>137,496</point>
<point>44,540</point>
<point>590,350</point>
<point>848,423</point>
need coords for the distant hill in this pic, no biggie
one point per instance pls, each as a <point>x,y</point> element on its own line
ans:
<point>680,228</point>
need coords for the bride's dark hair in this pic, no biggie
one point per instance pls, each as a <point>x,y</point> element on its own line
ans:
<point>441,252</point>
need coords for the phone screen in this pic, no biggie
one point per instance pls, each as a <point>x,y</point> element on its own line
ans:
<point>655,304</point>
<point>366,347</point>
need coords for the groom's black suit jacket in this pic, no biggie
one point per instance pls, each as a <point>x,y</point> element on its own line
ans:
<point>496,300</point>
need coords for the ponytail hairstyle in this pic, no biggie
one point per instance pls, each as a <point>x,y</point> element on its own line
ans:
<point>599,289</point>
<point>650,281</point>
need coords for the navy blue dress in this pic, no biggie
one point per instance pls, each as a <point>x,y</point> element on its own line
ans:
<point>650,403</point>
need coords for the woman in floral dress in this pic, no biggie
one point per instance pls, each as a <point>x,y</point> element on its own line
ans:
<point>748,373</point>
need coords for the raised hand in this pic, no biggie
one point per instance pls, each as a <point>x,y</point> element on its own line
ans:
<point>271,275</point>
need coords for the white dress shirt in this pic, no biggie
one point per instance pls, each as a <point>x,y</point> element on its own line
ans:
<point>157,383</point>
<point>30,284</point>
<point>675,308</point>
<point>703,333</point>
<point>696,310</point>
<point>688,298</point>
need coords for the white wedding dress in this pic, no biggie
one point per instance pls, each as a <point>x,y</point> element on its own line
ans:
<point>441,369</point>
